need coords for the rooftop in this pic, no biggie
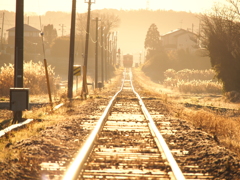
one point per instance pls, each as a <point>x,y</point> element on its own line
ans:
<point>26,28</point>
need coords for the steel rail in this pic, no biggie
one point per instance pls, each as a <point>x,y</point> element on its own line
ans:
<point>28,121</point>
<point>174,166</point>
<point>77,165</point>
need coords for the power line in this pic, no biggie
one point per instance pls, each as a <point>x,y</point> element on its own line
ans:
<point>147,5</point>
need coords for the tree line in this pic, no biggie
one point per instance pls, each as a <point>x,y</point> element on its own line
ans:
<point>220,37</point>
<point>107,20</point>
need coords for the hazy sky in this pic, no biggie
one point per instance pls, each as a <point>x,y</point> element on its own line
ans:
<point>41,6</point>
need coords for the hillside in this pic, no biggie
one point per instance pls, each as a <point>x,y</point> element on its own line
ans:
<point>132,30</point>
<point>134,26</point>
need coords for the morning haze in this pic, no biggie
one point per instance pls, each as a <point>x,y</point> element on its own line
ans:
<point>132,28</point>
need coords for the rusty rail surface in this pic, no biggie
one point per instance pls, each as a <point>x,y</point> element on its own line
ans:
<point>77,166</point>
<point>163,145</point>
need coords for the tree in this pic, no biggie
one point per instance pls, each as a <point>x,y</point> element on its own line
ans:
<point>50,33</point>
<point>156,58</point>
<point>60,47</point>
<point>152,41</point>
<point>108,20</point>
<point>221,32</point>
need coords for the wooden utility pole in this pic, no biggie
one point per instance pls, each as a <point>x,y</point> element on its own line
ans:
<point>2,32</point>
<point>102,55</point>
<point>112,49</point>
<point>84,82</point>
<point>109,57</point>
<point>62,28</point>
<point>115,48</point>
<point>96,54</point>
<point>18,53</point>
<point>71,50</point>
<point>106,55</point>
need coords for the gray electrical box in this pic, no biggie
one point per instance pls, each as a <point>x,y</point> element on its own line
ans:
<point>19,99</point>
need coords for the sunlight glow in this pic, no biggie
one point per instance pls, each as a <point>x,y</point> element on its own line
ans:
<point>42,6</point>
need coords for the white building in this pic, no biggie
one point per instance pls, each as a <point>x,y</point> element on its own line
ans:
<point>180,39</point>
<point>31,35</point>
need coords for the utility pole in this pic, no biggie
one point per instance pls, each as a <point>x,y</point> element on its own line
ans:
<point>115,51</point>
<point>140,57</point>
<point>71,50</point>
<point>18,54</point>
<point>106,55</point>
<point>110,55</point>
<point>84,82</point>
<point>96,54</point>
<point>114,48</point>
<point>2,32</point>
<point>62,28</point>
<point>102,55</point>
<point>110,51</point>
<point>147,5</point>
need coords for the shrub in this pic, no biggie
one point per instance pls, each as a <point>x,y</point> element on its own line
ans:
<point>192,81</point>
<point>6,79</point>
<point>34,78</point>
<point>197,86</point>
<point>170,73</point>
<point>189,74</point>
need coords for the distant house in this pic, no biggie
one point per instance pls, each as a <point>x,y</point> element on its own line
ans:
<point>31,35</point>
<point>179,39</point>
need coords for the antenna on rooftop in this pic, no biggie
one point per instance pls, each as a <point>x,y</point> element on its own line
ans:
<point>147,5</point>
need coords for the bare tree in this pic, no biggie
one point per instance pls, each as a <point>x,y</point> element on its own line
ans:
<point>221,36</point>
<point>108,20</point>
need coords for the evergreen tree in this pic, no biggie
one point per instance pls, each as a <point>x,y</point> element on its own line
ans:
<point>152,41</point>
<point>50,33</point>
<point>156,58</point>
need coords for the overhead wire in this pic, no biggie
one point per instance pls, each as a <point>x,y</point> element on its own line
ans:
<point>44,55</point>
<point>93,41</point>
<point>41,33</point>
<point>80,34</point>
<point>91,37</point>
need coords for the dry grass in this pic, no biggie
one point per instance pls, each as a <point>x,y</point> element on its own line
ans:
<point>190,74</point>
<point>192,81</point>
<point>225,129</point>
<point>43,118</point>
<point>5,118</point>
<point>5,114</point>
<point>34,78</point>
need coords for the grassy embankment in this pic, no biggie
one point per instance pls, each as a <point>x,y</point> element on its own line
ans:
<point>224,127</point>
<point>44,117</point>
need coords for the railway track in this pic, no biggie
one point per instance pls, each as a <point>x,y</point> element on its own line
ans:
<point>116,143</point>
<point>126,144</point>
